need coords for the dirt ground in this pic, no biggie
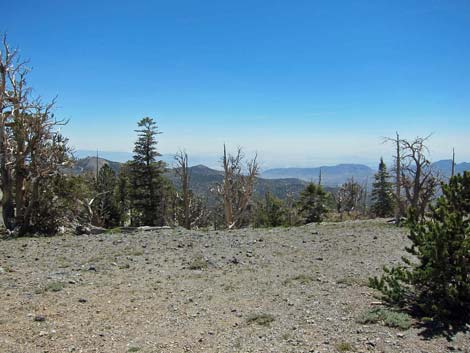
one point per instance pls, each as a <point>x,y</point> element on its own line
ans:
<point>250,290</point>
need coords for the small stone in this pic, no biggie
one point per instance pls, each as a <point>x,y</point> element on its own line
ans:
<point>92,268</point>
<point>39,318</point>
<point>235,261</point>
<point>82,300</point>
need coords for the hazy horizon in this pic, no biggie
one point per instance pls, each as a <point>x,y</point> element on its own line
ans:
<point>213,161</point>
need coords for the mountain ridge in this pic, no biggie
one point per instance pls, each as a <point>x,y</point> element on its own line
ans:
<point>280,181</point>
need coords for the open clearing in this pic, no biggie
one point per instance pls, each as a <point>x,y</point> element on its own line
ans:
<point>250,290</point>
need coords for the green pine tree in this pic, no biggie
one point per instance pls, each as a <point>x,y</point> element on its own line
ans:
<point>147,191</point>
<point>439,283</point>
<point>271,212</point>
<point>105,207</point>
<point>382,194</point>
<point>312,203</point>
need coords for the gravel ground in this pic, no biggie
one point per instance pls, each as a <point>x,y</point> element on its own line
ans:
<point>250,290</point>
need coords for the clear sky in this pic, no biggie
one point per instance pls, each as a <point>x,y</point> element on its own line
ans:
<point>301,82</point>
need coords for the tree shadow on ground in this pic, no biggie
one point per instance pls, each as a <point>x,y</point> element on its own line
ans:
<point>432,328</point>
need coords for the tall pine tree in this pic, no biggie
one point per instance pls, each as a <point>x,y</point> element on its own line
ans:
<point>382,194</point>
<point>146,177</point>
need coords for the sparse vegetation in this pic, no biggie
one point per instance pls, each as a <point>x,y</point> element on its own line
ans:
<point>55,286</point>
<point>260,319</point>
<point>270,212</point>
<point>344,347</point>
<point>302,279</point>
<point>386,317</point>
<point>198,263</point>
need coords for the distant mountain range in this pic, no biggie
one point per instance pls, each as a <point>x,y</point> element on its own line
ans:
<point>334,176</point>
<point>280,181</point>
<point>203,179</point>
<point>330,175</point>
<point>445,167</point>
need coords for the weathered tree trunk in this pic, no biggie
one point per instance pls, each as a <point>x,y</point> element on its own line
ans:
<point>20,174</point>
<point>237,187</point>
<point>183,172</point>
<point>8,209</point>
<point>28,211</point>
<point>228,211</point>
<point>398,206</point>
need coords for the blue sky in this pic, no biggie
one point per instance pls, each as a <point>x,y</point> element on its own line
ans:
<point>301,82</point>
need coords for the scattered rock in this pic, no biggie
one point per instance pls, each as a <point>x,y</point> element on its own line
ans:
<point>81,229</point>
<point>234,261</point>
<point>97,230</point>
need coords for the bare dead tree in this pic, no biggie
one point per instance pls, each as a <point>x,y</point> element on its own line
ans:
<point>183,171</point>
<point>237,187</point>
<point>31,148</point>
<point>364,196</point>
<point>348,198</point>
<point>10,66</point>
<point>416,181</point>
<point>399,203</point>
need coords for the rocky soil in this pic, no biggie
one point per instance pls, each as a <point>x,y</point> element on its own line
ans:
<point>251,290</point>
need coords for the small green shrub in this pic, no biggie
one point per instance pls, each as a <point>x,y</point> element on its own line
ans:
<point>198,263</point>
<point>260,319</point>
<point>302,279</point>
<point>386,317</point>
<point>344,347</point>
<point>270,212</point>
<point>55,287</point>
